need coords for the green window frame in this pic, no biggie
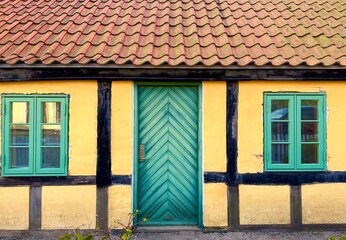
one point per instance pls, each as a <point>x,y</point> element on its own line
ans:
<point>294,132</point>
<point>34,135</point>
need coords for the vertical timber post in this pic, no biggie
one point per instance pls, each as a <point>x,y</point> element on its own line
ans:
<point>35,207</point>
<point>232,154</point>
<point>296,206</point>
<point>103,169</point>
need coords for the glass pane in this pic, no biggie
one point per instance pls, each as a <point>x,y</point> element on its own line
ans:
<point>20,112</point>
<point>309,109</point>
<point>279,109</point>
<point>280,131</point>
<point>279,153</point>
<point>51,157</point>
<point>309,131</point>
<point>19,157</point>
<point>51,112</point>
<point>51,135</point>
<point>19,135</point>
<point>309,153</point>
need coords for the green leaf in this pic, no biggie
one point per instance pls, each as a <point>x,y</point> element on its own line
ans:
<point>65,236</point>
<point>89,237</point>
<point>78,236</point>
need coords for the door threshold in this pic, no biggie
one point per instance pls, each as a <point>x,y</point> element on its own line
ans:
<point>167,228</point>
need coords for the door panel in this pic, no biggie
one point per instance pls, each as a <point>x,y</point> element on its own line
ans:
<point>168,177</point>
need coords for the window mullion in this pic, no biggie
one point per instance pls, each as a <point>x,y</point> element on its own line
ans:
<point>292,131</point>
<point>34,133</point>
<point>296,138</point>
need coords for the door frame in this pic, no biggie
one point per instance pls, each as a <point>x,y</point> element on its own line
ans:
<point>199,154</point>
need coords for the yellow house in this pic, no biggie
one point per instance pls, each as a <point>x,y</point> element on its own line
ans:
<point>200,114</point>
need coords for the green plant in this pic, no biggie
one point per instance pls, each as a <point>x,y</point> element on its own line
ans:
<point>340,237</point>
<point>129,226</point>
<point>127,230</point>
<point>76,236</point>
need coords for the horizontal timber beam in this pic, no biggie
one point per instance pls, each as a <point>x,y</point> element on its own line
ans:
<point>157,74</point>
<point>47,181</point>
<point>296,178</point>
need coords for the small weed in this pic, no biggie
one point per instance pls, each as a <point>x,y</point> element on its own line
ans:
<point>76,236</point>
<point>129,227</point>
<point>340,237</point>
<point>127,230</point>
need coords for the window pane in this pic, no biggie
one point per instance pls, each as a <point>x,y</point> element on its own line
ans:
<point>51,135</point>
<point>309,131</point>
<point>309,153</point>
<point>51,112</point>
<point>19,135</point>
<point>19,157</point>
<point>20,112</point>
<point>279,131</point>
<point>51,157</point>
<point>309,109</point>
<point>280,153</point>
<point>279,109</point>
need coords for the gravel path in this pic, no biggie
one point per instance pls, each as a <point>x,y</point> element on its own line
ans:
<point>253,235</point>
<point>199,235</point>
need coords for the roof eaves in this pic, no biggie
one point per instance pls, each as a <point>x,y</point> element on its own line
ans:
<point>148,66</point>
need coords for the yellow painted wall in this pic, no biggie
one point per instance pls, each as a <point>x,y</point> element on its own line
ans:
<point>14,208</point>
<point>264,204</point>
<point>215,205</point>
<point>82,117</point>
<point>324,203</point>
<point>69,207</point>
<point>214,126</point>
<point>122,127</point>
<point>119,204</point>
<point>250,120</point>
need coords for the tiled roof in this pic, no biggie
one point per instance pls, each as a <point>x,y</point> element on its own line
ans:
<point>173,32</point>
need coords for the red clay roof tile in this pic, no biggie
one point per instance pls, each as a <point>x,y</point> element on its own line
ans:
<point>190,32</point>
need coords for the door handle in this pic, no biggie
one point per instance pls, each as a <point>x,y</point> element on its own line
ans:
<point>141,153</point>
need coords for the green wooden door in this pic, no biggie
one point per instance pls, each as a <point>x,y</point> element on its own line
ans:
<point>168,138</point>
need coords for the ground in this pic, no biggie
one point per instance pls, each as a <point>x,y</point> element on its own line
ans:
<point>248,235</point>
<point>200,235</point>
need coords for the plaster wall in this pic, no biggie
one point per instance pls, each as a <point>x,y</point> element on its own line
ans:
<point>82,117</point>
<point>14,208</point>
<point>69,207</point>
<point>250,120</point>
<point>119,205</point>
<point>264,204</point>
<point>122,127</point>
<point>215,205</point>
<point>214,126</point>
<point>324,203</point>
